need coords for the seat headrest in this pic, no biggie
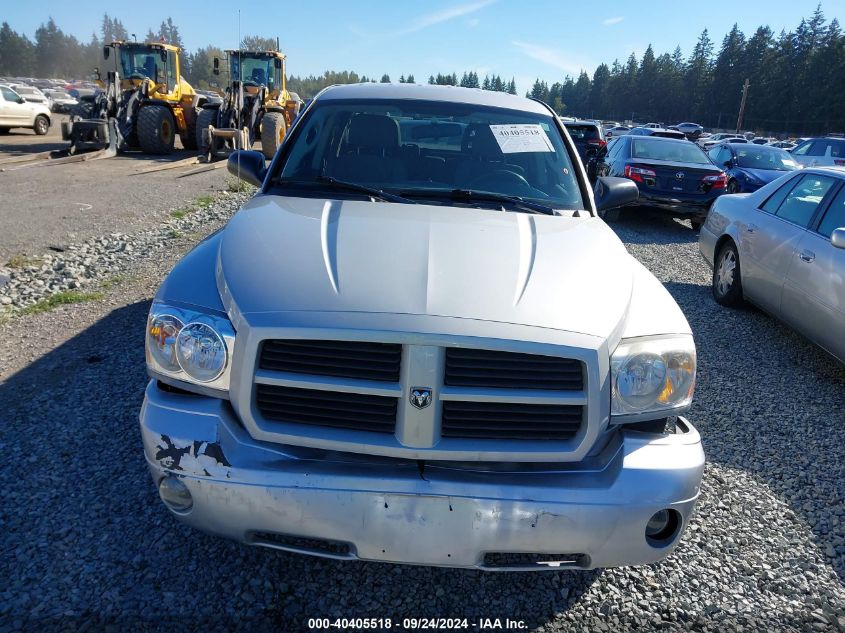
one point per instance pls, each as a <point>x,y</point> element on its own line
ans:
<point>479,141</point>
<point>373,131</point>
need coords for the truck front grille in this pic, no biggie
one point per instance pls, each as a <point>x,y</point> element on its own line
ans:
<point>510,370</point>
<point>510,420</point>
<point>352,411</point>
<point>342,359</point>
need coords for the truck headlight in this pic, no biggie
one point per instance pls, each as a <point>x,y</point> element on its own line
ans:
<point>189,348</point>
<point>652,375</point>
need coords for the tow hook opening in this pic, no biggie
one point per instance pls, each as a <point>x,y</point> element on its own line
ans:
<point>663,527</point>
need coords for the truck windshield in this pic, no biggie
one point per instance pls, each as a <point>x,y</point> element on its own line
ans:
<point>417,148</point>
<point>138,62</point>
<point>253,71</point>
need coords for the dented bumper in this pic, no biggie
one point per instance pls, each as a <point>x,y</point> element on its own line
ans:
<point>592,514</point>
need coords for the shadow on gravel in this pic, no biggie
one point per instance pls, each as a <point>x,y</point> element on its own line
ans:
<point>772,404</point>
<point>647,226</point>
<point>87,543</point>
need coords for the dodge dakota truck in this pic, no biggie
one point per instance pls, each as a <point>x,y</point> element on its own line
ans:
<point>420,343</point>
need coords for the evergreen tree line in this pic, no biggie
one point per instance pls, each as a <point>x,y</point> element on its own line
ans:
<point>797,78</point>
<point>796,82</point>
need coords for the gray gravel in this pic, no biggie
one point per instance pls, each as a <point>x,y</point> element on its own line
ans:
<point>87,543</point>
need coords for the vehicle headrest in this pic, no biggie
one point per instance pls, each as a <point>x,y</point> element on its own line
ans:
<point>373,131</point>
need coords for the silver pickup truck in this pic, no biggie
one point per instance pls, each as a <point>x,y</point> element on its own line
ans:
<point>419,343</point>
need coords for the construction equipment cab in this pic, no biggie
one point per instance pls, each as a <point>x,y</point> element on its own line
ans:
<point>257,104</point>
<point>144,103</point>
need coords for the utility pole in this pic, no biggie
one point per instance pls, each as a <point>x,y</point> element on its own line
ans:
<point>742,106</point>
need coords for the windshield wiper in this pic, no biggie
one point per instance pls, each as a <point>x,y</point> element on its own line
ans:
<point>468,195</point>
<point>379,194</point>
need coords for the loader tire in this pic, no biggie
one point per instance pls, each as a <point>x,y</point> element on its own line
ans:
<point>273,130</point>
<point>205,118</point>
<point>156,130</point>
<point>189,139</point>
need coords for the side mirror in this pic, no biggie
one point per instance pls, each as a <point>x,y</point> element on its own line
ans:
<point>729,163</point>
<point>277,62</point>
<point>837,238</point>
<point>106,52</point>
<point>97,73</point>
<point>21,100</point>
<point>163,55</point>
<point>248,165</point>
<point>216,66</point>
<point>611,192</point>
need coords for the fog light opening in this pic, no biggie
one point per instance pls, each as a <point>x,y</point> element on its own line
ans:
<point>175,495</point>
<point>662,528</point>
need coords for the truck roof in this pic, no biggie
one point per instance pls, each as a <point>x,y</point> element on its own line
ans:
<point>452,94</point>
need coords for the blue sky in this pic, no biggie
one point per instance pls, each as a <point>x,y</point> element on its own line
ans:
<point>524,39</point>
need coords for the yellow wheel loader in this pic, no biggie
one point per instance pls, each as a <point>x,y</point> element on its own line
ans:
<point>256,105</point>
<point>144,103</point>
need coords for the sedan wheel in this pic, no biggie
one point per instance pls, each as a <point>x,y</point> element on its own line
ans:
<point>727,284</point>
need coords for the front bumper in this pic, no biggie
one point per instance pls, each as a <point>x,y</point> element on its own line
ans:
<point>490,516</point>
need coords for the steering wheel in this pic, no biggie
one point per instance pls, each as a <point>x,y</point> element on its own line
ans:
<point>490,180</point>
<point>250,83</point>
<point>137,74</point>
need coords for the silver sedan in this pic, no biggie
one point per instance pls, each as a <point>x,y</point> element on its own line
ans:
<point>783,249</point>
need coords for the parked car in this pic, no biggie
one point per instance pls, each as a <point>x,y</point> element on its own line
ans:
<point>691,130</point>
<point>822,151</point>
<point>672,175</point>
<point>712,141</point>
<point>420,354</point>
<point>616,130</point>
<point>714,138</point>
<point>588,137</point>
<point>763,140</point>
<point>656,131</point>
<point>32,94</point>
<point>787,145</point>
<point>61,100</point>
<point>783,249</point>
<point>15,111</point>
<point>750,166</point>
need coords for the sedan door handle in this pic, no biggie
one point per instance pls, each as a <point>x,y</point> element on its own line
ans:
<point>807,256</point>
<point>751,228</point>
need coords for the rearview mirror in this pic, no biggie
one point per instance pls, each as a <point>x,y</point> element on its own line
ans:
<point>248,165</point>
<point>611,192</point>
<point>837,238</point>
<point>106,52</point>
<point>216,65</point>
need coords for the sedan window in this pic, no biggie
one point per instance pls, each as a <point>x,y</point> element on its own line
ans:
<point>801,203</point>
<point>834,217</point>
<point>9,94</point>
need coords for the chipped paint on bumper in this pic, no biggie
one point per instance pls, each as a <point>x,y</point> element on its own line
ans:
<point>389,510</point>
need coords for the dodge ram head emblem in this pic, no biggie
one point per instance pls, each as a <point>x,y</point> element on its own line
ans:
<point>420,397</point>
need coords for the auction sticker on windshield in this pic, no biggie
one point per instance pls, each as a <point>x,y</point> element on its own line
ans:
<point>524,137</point>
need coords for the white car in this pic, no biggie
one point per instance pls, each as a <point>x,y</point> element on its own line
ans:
<point>32,94</point>
<point>828,151</point>
<point>717,139</point>
<point>616,130</point>
<point>15,111</point>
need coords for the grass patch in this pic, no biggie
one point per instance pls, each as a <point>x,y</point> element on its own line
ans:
<point>60,299</point>
<point>204,201</point>
<point>174,234</point>
<point>236,185</point>
<point>22,261</point>
<point>111,282</point>
<point>178,214</point>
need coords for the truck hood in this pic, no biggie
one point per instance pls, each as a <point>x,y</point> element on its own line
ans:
<point>283,254</point>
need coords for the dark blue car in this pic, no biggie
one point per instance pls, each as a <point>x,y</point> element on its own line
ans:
<point>672,175</point>
<point>750,166</point>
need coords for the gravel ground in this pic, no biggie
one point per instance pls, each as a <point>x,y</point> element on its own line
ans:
<point>88,545</point>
